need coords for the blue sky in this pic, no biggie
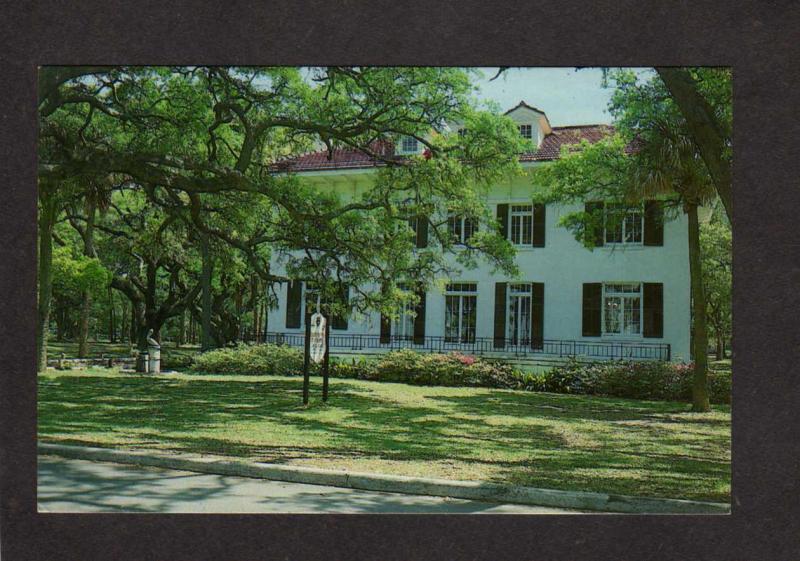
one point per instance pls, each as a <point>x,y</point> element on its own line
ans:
<point>568,96</point>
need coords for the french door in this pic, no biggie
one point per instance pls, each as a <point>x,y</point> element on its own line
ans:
<point>519,314</point>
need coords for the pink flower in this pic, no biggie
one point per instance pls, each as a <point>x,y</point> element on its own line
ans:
<point>466,360</point>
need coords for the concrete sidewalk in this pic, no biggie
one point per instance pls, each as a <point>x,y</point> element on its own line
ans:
<point>481,491</point>
<point>71,485</point>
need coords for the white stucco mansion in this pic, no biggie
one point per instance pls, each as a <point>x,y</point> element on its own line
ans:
<point>628,298</point>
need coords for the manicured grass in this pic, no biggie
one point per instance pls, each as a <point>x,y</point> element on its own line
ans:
<point>545,440</point>
<point>96,348</point>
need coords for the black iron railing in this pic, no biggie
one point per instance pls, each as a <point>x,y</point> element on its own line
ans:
<point>634,350</point>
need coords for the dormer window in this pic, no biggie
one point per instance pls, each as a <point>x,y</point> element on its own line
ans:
<point>410,144</point>
<point>526,132</point>
<point>462,131</point>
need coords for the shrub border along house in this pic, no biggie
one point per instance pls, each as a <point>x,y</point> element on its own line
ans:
<point>626,379</point>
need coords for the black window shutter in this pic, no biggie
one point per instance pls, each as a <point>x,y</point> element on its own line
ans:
<point>500,314</point>
<point>294,292</point>
<point>419,320</point>
<point>537,316</point>
<point>653,223</point>
<point>386,329</point>
<point>502,219</point>
<point>653,324</point>
<point>422,231</point>
<point>339,321</point>
<point>592,305</point>
<point>538,225</point>
<point>596,233</point>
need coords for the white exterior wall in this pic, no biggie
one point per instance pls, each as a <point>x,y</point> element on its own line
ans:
<point>563,265</point>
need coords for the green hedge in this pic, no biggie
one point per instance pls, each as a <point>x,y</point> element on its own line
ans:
<point>251,359</point>
<point>635,380</point>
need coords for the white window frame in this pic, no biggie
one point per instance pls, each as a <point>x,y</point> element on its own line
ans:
<point>627,226</point>
<point>518,291</point>
<point>518,213</point>
<point>529,128</point>
<point>617,290</point>
<point>461,222</point>
<point>410,140</point>
<point>461,291</point>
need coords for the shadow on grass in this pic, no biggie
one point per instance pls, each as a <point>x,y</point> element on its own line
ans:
<point>546,440</point>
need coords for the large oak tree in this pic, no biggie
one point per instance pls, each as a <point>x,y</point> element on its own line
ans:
<point>201,144</point>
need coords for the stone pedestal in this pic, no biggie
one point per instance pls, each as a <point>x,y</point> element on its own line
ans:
<point>154,361</point>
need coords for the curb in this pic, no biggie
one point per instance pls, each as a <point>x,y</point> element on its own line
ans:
<point>473,490</point>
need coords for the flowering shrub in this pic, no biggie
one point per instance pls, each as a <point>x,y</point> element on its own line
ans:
<point>435,369</point>
<point>464,359</point>
<point>635,380</point>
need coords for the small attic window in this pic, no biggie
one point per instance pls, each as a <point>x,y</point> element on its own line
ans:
<point>410,144</point>
<point>462,131</point>
<point>526,131</point>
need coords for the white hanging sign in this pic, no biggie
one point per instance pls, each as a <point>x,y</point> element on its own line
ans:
<point>317,342</point>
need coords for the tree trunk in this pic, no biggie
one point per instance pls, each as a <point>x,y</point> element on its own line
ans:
<point>181,330</point>
<point>86,295</point>
<point>700,341</point>
<point>60,325</point>
<point>112,338</point>
<point>123,322</point>
<point>47,219</point>
<point>83,324</point>
<point>205,336</point>
<point>254,306</point>
<point>265,320</point>
<point>132,332</point>
<point>139,334</point>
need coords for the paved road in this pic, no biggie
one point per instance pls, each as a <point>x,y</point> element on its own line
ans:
<point>67,485</point>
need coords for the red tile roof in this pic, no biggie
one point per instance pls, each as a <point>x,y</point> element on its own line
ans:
<point>340,158</point>
<point>564,136</point>
<point>354,159</point>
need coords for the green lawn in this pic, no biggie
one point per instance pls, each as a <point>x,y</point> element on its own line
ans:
<point>96,348</point>
<point>545,440</point>
<point>172,356</point>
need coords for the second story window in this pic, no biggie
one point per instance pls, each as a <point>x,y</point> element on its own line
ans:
<point>526,131</point>
<point>461,228</point>
<point>623,225</point>
<point>410,144</point>
<point>462,131</point>
<point>521,224</point>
